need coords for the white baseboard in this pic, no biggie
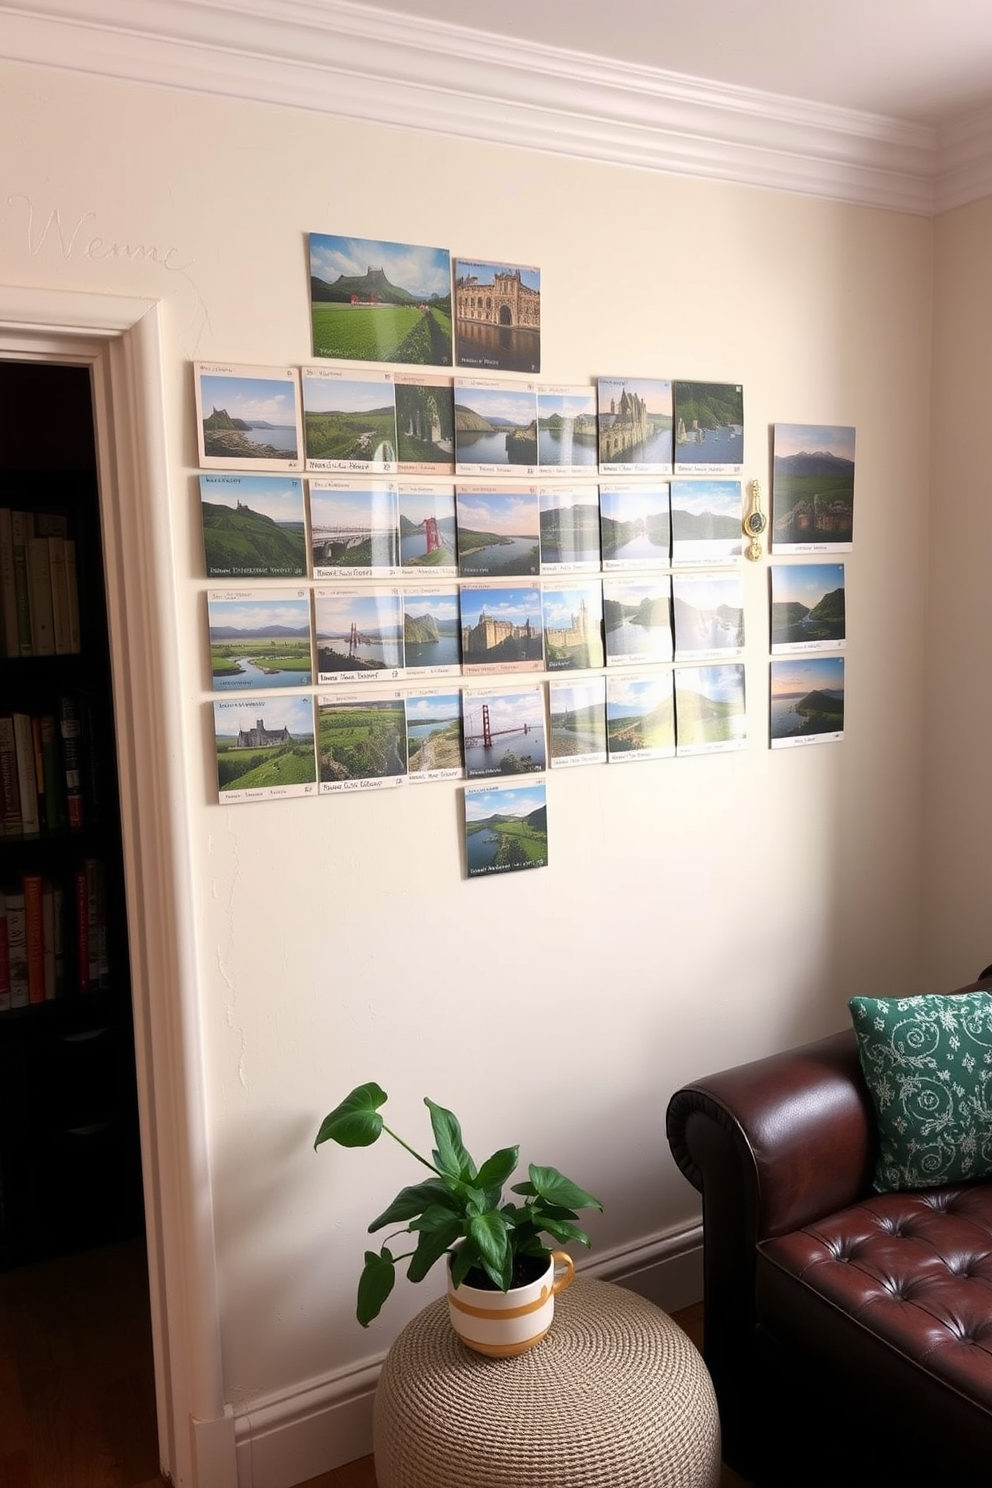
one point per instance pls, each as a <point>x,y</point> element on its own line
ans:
<point>327,1423</point>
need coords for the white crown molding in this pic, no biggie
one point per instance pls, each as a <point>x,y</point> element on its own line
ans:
<point>349,60</point>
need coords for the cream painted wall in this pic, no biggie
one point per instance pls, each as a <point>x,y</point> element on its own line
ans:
<point>695,912</point>
<point>957,798</point>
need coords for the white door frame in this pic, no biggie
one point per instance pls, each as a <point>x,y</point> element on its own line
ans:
<point>119,340</point>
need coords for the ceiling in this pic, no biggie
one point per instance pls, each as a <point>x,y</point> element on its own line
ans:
<point>879,102</point>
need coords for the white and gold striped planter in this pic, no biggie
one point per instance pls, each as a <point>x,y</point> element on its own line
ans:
<point>502,1324</point>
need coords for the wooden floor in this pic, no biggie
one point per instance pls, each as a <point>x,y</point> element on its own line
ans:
<point>77,1403</point>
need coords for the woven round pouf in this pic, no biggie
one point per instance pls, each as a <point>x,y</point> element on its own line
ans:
<point>616,1396</point>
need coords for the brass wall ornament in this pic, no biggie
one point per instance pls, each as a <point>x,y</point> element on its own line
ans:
<point>755,522</point>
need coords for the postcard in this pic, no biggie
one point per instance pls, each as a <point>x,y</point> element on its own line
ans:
<point>359,634</point>
<point>425,424</point>
<point>707,517</point>
<point>349,420</point>
<point>495,427</point>
<point>248,415</point>
<point>265,747</point>
<point>569,529</point>
<point>710,712</point>
<point>503,732</point>
<point>577,713</point>
<point>709,615</point>
<point>573,626</point>
<point>640,717</point>
<point>502,629</point>
<point>432,632</point>
<point>808,610</point>
<point>361,741</point>
<point>434,736</point>
<point>635,525</point>
<point>567,430</point>
<point>380,302</point>
<point>354,529</point>
<point>506,828</point>
<point>637,620</point>
<point>635,425</point>
<point>259,638</point>
<point>709,427</point>
<point>428,530</point>
<point>499,531</point>
<point>806,701</point>
<point>812,488</point>
<point>497,316</point>
<point>253,526</point>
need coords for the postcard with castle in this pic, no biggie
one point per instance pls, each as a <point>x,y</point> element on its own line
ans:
<point>495,427</point>
<point>372,301</point>
<point>361,741</point>
<point>567,430</point>
<point>706,522</point>
<point>497,316</point>
<point>807,607</point>
<point>428,545</point>
<point>248,416</point>
<point>569,529</point>
<point>640,717</point>
<point>259,638</point>
<point>637,620</point>
<point>708,610</point>
<point>425,424</point>
<point>349,420</point>
<point>709,428</point>
<point>573,625</point>
<point>806,701</point>
<point>432,634</point>
<point>354,529</point>
<point>502,629</point>
<point>254,526</point>
<point>635,525</point>
<point>359,635</point>
<point>434,736</point>
<point>265,747</point>
<point>812,488</point>
<point>506,828</point>
<point>635,426</point>
<point>499,531</point>
<point>710,709</point>
<point>577,714</point>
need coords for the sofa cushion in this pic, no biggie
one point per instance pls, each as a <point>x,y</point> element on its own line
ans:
<point>927,1062</point>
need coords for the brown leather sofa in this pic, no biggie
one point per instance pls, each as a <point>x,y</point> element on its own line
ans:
<point>848,1334</point>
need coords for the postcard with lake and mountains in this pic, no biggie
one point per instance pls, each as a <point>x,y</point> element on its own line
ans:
<point>354,529</point>
<point>808,607</point>
<point>502,629</point>
<point>265,747</point>
<point>359,634</point>
<point>428,541</point>
<point>495,427</point>
<point>499,531</point>
<point>434,736</point>
<point>635,425</point>
<point>497,316</point>
<point>706,521</point>
<point>425,424</point>
<point>432,635</point>
<point>570,540</point>
<point>248,415</point>
<point>373,301</point>
<point>709,427</point>
<point>812,488</point>
<point>577,712</point>
<point>361,742</point>
<point>708,611</point>
<point>349,420</point>
<point>253,526</point>
<point>635,525</point>
<point>637,620</point>
<point>506,828</point>
<point>710,709</point>
<point>640,718</point>
<point>567,430</point>
<point>806,700</point>
<point>259,639</point>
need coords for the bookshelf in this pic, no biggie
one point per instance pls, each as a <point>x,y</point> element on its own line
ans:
<point>70,1172</point>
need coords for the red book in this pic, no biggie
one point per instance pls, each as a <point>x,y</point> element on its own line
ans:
<point>34,935</point>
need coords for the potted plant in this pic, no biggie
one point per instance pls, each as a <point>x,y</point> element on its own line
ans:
<point>493,1246</point>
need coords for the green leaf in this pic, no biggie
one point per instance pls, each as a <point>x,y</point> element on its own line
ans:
<point>451,1156</point>
<point>375,1284</point>
<point>412,1201</point>
<point>356,1121</point>
<point>496,1169</point>
<point>558,1189</point>
<point>463,1259</point>
<point>431,1246</point>
<point>563,1231</point>
<point>489,1232</point>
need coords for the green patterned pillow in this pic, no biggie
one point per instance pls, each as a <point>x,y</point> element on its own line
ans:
<point>928,1064</point>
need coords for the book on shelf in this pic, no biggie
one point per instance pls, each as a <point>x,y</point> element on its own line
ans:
<point>34,935</point>
<point>8,592</point>
<point>27,779</point>
<point>21,528</point>
<point>60,595</point>
<point>39,591</point>
<point>10,793</point>
<point>72,592</point>
<point>71,733</point>
<point>53,776</point>
<point>40,597</point>
<point>17,948</point>
<point>4,957</point>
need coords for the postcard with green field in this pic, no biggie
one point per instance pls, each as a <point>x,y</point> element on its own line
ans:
<point>812,488</point>
<point>640,717</point>
<point>349,420</point>
<point>577,712</point>
<point>374,301</point>
<point>710,713</point>
<point>361,742</point>
<point>506,828</point>
<point>259,639</point>
<point>265,747</point>
<point>709,427</point>
<point>253,526</point>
